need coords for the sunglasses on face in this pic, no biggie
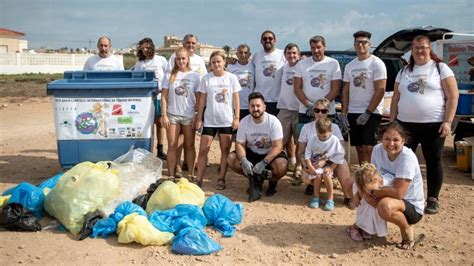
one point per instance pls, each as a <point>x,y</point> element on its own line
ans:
<point>363,42</point>
<point>267,39</point>
<point>322,111</point>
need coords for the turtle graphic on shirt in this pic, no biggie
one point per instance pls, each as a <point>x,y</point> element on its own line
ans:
<point>417,86</point>
<point>289,81</point>
<point>263,143</point>
<point>359,81</point>
<point>269,71</point>
<point>182,90</point>
<point>221,97</point>
<point>245,81</point>
<point>318,81</point>
<point>319,159</point>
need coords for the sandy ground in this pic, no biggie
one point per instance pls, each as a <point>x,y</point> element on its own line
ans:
<point>275,230</point>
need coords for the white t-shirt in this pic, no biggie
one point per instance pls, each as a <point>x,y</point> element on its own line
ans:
<point>258,137</point>
<point>96,63</point>
<point>404,166</point>
<point>246,76</point>
<point>157,64</point>
<point>196,62</point>
<point>361,76</point>
<point>309,130</point>
<point>181,93</point>
<point>317,77</point>
<point>288,98</point>
<point>219,104</point>
<point>422,98</point>
<point>331,149</point>
<point>267,80</point>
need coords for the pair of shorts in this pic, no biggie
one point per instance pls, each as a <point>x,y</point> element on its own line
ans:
<point>243,113</point>
<point>212,131</point>
<point>157,107</point>
<point>410,213</point>
<point>271,108</point>
<point>255,158</point>
<point>180,120</point>
<point>366,134</point>
<point>289,121</point>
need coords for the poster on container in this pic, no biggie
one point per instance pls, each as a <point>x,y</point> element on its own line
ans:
<point>103,118</point>
<point>460,58</point>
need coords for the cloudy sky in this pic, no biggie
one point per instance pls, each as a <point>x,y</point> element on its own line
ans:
<point>73,23</point>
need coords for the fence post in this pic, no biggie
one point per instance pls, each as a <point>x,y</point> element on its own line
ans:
<point>18,59</point>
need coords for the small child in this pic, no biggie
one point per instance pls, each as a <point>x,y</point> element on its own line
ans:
<point>322,155</point>
<point>368,221</point>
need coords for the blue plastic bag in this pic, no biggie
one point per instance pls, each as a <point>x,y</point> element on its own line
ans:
<point>174,220</point>
<point>51,182</point>
<point>223,214</point>
<point>29,196</point>
<point>107,226</point>
<point>193,241</point>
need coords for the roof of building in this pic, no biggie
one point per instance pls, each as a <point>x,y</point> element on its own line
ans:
<point>7,32</point>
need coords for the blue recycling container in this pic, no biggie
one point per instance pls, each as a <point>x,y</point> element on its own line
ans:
<point>466,99</point>
<point>99,115</point>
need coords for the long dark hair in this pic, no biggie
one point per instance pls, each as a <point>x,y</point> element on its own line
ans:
<point>433,56</point>
<point>140,54</point>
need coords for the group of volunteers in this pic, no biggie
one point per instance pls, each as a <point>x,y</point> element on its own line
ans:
<point>282,108</point>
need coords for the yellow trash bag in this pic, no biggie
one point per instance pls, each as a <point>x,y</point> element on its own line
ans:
<point>137,228</point>
<point>170,194</point>
<point>4,200</point>
<point>84,188</point>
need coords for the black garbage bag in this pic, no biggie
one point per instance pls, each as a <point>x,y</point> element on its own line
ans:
<point>89,221</point>
<point>15,217</point>
<point>142,200</point>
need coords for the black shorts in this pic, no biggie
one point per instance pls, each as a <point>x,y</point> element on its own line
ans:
<point>410,213</point>
<point>212,131</point>
<point>243,113</point>
<point>271,108</point>
<point>366,134</point>
<point>254,158</point>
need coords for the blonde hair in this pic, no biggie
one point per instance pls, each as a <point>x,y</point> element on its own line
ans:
<point>366,174</point>
<point>175,69</point>
<point>324,125</point>
<point>323,101</point>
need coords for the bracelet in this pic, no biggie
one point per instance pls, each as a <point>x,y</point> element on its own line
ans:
<point>368,112</point>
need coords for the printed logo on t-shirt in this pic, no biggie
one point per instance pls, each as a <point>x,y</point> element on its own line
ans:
<point>319,159</point>
<point>262,143</point>
<point>318,81</point>
<point>359,80</point>
<point>269,70</point>
<point>221,97</point>
<point>244,80</point>
<point>417,86</point>
<point>386,174</point>
<point>183,89</point>
<point>289,77</point>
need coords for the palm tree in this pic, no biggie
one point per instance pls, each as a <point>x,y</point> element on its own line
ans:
<point>226,49</point>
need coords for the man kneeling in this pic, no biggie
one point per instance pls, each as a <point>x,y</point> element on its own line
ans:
<point>259,149</point>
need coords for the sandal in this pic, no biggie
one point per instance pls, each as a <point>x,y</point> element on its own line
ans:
<point>365,235</point>
<point>220,184</point>
<point>354,233</point>
<point>196,181</point>
<point>408,244</point>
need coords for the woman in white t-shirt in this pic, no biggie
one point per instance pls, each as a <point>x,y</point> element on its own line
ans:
<point>220,95</point>
<point>321,109</point>
<point>424,101</point>
<point>402,203</point>
<point>178,108</point>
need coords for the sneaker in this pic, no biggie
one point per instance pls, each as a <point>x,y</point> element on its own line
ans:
<point>309,190</point>
<point>271,190</point>
<point>329,206</point>
<point>432,206</point>
<point>314,203</point>
<point>161,155</point>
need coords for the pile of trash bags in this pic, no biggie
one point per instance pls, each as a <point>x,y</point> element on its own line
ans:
<point>104,198</point>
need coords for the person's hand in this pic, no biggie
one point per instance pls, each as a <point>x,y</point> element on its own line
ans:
<point>445,129</point>
<point>235,123</point>
<point>197,123</point>
<point>328,172</point>
<point>356,200</point>
<point>363,118</point>
<point>309,109</point>
<point>259,167</point>
<point>310,169</point>
<point>372,201</point>
<point>165,122</point>
<point>343,122</point>
<point>246,166</point>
